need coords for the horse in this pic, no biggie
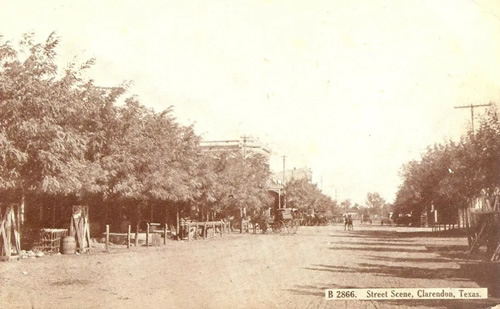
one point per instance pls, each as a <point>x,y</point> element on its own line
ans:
<point>348,223</point>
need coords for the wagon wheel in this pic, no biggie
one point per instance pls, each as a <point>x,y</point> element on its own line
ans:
<point>263,227</point>
<point>294,226</point>
<point>288,226</point>
<point>279,227</point>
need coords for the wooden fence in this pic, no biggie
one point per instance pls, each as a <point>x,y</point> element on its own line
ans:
<point>10,232</point>
<point>193,230</point>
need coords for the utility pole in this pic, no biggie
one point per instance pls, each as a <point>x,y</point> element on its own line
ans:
<point>244,137</point>
<point>243,211</point>
<point>283,184</point>
<point>284,170</point>
<point>471,106</point>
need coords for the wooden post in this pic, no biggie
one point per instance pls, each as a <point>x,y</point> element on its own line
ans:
<point>241,220</point>
<point>107,237</point>
<point>165,233</point>
<point>147,235</point>
<point>10,226</point>
<point>204,230</point>
<point>221,228</point>
<point>82,235</point>
<point>177,230</point>
<point>137,235</point>
<point>79,227</point>
<point>128,236</point>
<point>8,239</point>
<point>71,227</point>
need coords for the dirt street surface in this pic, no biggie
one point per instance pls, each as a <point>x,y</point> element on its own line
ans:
<point>246,271</point>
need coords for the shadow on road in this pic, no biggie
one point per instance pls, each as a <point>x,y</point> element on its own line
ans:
<point>402,234</point>
<point>406,259</point>
<point>372,238</point>
<point>376,243</point>
<point>378,249</point>
<point>395,271</point>
<point>443,303</point>
<point>423,256</point>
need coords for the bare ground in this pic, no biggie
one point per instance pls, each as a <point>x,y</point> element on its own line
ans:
<point>246,271</point>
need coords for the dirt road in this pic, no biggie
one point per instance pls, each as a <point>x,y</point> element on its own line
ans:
<point>245,271</point>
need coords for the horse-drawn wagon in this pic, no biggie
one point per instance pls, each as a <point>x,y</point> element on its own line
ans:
<point>284,221</point>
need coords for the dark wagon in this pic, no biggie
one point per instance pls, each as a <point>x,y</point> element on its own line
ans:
<point>284,221</point>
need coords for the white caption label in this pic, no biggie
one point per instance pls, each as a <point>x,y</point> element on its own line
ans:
<point>424,293</point>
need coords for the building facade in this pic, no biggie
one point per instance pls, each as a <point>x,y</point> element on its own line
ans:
<point>247,146</point>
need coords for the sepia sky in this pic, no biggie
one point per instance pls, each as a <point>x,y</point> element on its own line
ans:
<point>351,89</point>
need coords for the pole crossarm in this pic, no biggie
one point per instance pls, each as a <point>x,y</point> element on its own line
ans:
<point>472,106</point>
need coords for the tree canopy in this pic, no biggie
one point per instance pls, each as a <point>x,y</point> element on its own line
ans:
<point>451,174</point>
<point>305,196</point>
<point>61,134</point>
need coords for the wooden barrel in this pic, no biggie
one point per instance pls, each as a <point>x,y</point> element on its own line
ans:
<point>68,245</point>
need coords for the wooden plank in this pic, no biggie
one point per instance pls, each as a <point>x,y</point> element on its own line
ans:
<point>137,236</point>
<point>116,234</point>
<point>11,257</point>
<point>78,236</point>
<point>88,238</point>
<point>107,237</point>
<point>165,234</point>
<point>8,231</point>
<point>496,255</point>
<point>4,237</point>
<point>87,232</point>
<point>71,227</point>
<point>478,239</point>
<point>79,227</point>
<point>128,236</point>
<point>177,227</point>
<point>82,235</point>
<point>17,238</point>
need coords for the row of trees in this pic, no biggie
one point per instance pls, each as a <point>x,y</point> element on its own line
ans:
<point>63,135</point>
<point>451,174</point>
<point>374,206</point>
<point>305,196</point>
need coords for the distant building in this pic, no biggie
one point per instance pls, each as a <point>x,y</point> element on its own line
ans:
<point>295,173</point>
<point>248,146</point>
<point>245,145</point>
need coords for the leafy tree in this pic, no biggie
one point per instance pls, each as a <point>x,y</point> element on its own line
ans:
<point>304,195</point>
<point>375,202</point>
<point>346,205</point>
<point>40,120</point>
<point>60,134</point>
<point>449,175</point>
